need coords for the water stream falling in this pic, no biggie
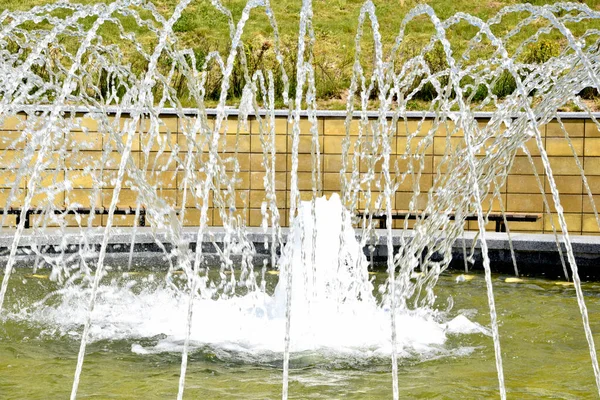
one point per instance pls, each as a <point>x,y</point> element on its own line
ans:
<point>91,131</point>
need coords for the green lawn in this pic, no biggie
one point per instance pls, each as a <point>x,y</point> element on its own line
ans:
<point>335,22</point>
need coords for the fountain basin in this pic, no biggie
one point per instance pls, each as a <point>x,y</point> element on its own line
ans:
<point>540,332</point>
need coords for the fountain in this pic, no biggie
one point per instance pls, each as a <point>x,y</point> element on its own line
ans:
<point>59,76</point>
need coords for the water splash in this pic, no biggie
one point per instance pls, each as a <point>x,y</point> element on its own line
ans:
<point>251,324</point>
<point>334,311</point>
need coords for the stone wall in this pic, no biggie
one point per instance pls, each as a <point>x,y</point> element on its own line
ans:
<point>89,159</point>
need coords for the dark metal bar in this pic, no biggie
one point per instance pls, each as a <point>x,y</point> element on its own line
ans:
<point>498,218</point>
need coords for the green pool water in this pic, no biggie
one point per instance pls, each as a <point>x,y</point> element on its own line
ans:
<point>543,344</point>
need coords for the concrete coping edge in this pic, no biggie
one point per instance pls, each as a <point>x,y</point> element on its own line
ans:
<point>495,241</point>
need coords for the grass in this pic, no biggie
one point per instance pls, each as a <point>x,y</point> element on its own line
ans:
<point>202,28</point>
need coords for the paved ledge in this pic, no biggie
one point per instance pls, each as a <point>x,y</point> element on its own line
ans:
<point>146,235</point>
<point>536,254</point>
<point>536,242</point>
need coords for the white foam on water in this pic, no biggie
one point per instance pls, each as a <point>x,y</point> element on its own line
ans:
<point>463,325</point>
<point>333,307</point>
<point>248,323</point>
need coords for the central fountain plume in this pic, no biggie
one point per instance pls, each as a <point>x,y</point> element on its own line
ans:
<point>327,266</point>
<point>98,146</point>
